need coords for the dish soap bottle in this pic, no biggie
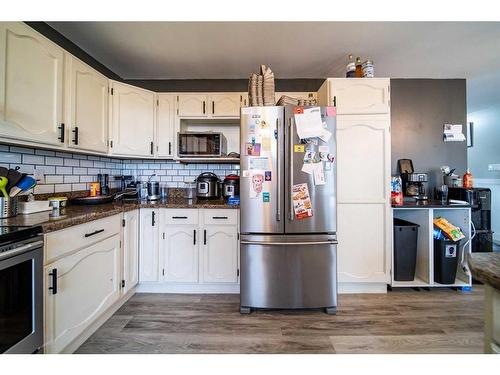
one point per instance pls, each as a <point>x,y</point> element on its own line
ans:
<point>467,182</point>
<point>359,68</point>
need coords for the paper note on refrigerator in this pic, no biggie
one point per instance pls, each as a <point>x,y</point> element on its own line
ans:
<point>255,186</point>
<point>260,163</point>
<point>302,206</point>
<point>308,168</point>
<point>309,124</point>
<point>319,174</point>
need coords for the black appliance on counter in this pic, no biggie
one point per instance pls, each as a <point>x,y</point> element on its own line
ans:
<point>207,186</point>
<point>480,201</point>
<point>231,186</point>
<point>414,183</point>
<point>21,289</point>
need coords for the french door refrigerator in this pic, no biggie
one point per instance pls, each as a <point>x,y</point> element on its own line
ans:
<point>287,211</point>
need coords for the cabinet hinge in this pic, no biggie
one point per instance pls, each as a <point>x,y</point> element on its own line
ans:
<point>123,222</point>
<point>238,272</point>
<point>123,283</point>
<point>111,144</point>
<point>163,235</point>
<point>157,102</point>
<point>238,236</point>
<point>163,272</point>
<point>120,244</point>
<point>112,91</point>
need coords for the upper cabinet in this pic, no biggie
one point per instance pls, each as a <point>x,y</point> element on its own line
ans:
<point>209,106</point>
<point>356,96</point>
<point>31,86</point>
<point>132,121</point>
<point>87,107</point>
<point>165,125</point>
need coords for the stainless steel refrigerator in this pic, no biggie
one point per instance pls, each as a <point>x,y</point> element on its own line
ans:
<point>288,244</point>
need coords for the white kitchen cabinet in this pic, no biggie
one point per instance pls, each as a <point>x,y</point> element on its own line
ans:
<point>31,86</point>
<point>220,254</point>
<point>87,285</point>
<point>130,276</point>
<point>87,106</point>
<point>193,105</point>
<point>132,121</point>
<point>148,245</point>
<point>165,125</point>
<point>354,96</point>
<point>225,105</point>
<point>364,212</point>
<point>180,252</point>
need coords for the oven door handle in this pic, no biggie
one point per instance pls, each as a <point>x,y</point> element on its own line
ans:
<point>21,250</point>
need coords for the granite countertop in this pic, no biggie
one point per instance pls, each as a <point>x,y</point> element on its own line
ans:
<point>430,204</point>
<point>75,214</point>
<point>485,267</point>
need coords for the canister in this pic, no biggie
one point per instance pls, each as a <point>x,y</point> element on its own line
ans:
<point>368,69</point>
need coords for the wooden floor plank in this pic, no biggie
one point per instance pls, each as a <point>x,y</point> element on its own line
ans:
<point>402,321</point>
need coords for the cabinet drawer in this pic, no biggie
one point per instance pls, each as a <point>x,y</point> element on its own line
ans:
<point>228,216</point>
<point>70,239</point>
<point>180,216</point>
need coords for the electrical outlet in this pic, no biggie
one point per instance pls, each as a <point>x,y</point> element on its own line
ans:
<point>493,167</point>
<point>39,176</point>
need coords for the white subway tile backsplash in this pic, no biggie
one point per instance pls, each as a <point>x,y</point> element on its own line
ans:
<point>65,171</point>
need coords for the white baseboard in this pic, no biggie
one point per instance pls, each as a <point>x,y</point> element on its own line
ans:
<point>355,288</point>
<point>188,288</point>
<point>89,331</point>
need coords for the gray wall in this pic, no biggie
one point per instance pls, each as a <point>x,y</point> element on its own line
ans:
<point>419,109</point>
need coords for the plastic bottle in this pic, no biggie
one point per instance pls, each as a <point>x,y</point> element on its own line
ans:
<point>467,181</point>
<point>359,68</point>
<point>350,69</point>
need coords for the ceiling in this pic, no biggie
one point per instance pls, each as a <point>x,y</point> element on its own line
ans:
<point>208,50</point>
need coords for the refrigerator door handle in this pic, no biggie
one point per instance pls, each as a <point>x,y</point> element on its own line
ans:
<point>290,134</point>
<point>333,242</point>
<point>278,204</point>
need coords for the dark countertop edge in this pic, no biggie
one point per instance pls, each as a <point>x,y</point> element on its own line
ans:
<point>63,223</point>
<point>432,204</point>
<point>485,267</point>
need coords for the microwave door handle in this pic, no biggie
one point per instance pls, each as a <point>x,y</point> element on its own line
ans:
<point>290,134</point>
<point>278,170</point>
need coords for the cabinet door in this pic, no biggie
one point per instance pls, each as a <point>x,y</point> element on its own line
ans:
<point>193,105</point>
<point>225,105</point>
<point>363,211</point>
<point>88,107</point>
<point>31,86</point>
<point>133,122</point>
<point>130,250</point>
<point>87,285</point>
<point>165,119</point>
<point>360,95</point>
<point>181,253</point>
<point>220,254</point>
<point>148,245</point>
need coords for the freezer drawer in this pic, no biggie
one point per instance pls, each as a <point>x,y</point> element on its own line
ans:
<point>287,272</point>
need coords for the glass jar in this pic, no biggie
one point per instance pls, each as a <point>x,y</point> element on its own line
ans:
<point>189,190</point>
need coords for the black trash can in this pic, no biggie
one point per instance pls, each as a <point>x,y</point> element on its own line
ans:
<point>405,249</point>
<point>446,254</point>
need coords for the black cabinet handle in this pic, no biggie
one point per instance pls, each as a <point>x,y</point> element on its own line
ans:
<point>75,140</point>
<point>194,237</point>
<point>213,107</point>
<point>62,129</point>
<point>179,217</point>
<point>152,148</point>
<point>94,233</point>
<point>53,275</point>
<point>153,218</point>
<point>204,237</point>
<point>170,148</point>
<point>334,101</point>
<point>203,107</point>
<point>219,217</point>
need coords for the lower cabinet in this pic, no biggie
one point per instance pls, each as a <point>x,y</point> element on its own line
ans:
<point>80,287</point>
<point>130,276</point>
<point>219,258</point>
<point>189,247</point>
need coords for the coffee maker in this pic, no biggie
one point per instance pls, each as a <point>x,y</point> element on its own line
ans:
<point>414,183</point>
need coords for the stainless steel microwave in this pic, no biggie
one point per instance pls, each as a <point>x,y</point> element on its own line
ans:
<point>201,144</point>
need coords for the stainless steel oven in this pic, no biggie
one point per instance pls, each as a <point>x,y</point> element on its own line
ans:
<point>201,144</point>
<point>21,290</point>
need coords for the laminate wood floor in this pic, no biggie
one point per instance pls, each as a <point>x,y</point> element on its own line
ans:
<point>401,321</point>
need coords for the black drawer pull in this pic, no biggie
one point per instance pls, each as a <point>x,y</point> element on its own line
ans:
<point>53,275</point>
<point>170,148</point>
<point>94,233</point>
<point>75,130</point>
<point>194,237</point>
<point>153,222</point>
<point>204,237</point>
<point>63,131</point>
<point>179,217</point>
<point>219,217</point>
